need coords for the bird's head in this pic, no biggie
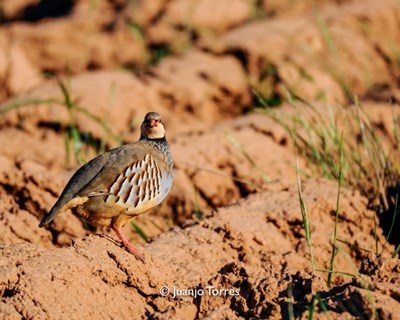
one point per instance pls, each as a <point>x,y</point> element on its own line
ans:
<point>152,127</point>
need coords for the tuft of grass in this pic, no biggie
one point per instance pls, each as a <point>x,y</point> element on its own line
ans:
<point>73,131</point>
<point>364,284</point>
<point>366,165</point>
<point>80,140</point>
<point>334,248</point>
<point>367,160</point>
<point>304,215</point>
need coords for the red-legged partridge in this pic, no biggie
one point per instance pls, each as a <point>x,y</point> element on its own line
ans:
<point>122,183</point>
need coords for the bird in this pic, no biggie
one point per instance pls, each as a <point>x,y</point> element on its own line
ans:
<point>118,185</point>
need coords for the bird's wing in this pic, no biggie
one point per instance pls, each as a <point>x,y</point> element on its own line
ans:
<point>94,177</point>
<point>119,162</point>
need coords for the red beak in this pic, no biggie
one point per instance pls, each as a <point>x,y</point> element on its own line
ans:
<point>152,123</point>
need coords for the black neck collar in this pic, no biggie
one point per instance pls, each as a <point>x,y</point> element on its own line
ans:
<point>154,140</point>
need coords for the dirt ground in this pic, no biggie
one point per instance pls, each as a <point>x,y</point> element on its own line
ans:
<point>228,242</point>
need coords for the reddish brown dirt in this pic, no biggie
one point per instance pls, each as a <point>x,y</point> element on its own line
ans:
<point>197,88</point>
<point>300,51</point>
<point>234,167</point>
<point>255,247</point>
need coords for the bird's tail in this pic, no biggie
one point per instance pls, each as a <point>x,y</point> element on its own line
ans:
<point>51,215</point>
<point>62,205</point>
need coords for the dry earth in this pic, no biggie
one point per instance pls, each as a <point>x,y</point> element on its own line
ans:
<point>197,63</point>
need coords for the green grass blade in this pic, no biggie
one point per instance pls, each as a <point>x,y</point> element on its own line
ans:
<point>352,245</point>
<point>9,106</point>
<point>291,301</point>
<point>67,150</point>
<point>322,305</point>
<point>339,273</point>
<point>303,209</point>
<point>67,97</point>
<point>375,235</point>
<point>392,225</point>
<point>327,34</point>
<point>95,118</point>
<point>198,212</point>
<point>260,100</point>
<point>396,252</point>
<point>30,102</point>
<point>334,249</point>
<point>139,231</point>
<point>396,130</point>
<point>238,146</point>
<point>311,307</point>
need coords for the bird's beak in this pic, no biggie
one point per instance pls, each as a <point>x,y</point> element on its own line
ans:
<point>152,123</point>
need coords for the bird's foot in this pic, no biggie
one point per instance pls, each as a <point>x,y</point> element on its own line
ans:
<point>127,244</point>
<point>134,251</point>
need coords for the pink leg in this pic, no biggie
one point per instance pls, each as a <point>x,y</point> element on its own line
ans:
<point>126,243</point>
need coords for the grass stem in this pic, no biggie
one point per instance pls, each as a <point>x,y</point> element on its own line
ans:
<point>304,215</point>
<point>334,248</point>
<point>392,224</point>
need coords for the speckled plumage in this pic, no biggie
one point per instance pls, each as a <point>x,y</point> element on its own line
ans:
<point>122,183</point>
